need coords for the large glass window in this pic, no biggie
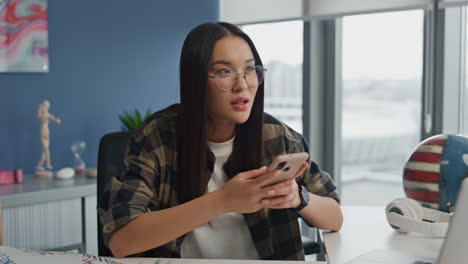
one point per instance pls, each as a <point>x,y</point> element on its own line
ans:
<point>283,61</point>
<point>381,111</point>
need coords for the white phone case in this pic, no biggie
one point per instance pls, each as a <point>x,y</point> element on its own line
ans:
<point>289,164</point>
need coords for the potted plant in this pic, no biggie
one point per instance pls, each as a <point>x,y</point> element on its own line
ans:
<point>131,121</point>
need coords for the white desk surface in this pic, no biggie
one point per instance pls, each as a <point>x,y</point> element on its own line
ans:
<point>211,261</point>
<point>365,229</point>
<point>25,256</point>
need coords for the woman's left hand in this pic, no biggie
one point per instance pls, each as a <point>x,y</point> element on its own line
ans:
<point>287,193</point>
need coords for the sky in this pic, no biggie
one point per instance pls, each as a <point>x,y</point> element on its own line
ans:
<point>375,46</point>
<point>383,46</point>
<point>278,41</point>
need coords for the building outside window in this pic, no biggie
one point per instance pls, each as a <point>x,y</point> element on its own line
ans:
<point>283,61</point>
<point>381,112</point>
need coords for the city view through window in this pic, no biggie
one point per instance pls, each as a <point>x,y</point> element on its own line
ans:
<point>382,84</point>
<point>381,111</point>
<point>283,61</point>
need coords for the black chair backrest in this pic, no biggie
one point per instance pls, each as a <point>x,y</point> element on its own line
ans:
<point>110,163</point>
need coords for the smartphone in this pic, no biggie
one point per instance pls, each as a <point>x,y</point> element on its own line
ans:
<point>289,164</point>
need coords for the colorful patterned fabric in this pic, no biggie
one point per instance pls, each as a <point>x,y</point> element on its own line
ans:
<point>150,183</point>
<point>9,255</point>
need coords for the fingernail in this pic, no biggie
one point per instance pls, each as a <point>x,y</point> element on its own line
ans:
<point>265,201</point>
<point>271,192</point>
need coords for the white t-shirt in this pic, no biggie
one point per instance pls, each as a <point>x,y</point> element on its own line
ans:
<point>226,236</point>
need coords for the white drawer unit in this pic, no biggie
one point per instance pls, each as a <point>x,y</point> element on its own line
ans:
<point>50,214</point>
<point>43,226</point>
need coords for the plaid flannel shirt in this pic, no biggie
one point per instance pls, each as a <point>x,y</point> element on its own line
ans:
<point>148,184</point>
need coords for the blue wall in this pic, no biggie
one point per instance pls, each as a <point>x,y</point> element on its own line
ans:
<point>105,57</point>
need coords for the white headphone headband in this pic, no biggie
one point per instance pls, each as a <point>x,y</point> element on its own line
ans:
<point>435,215</point>
<point>407,215</point>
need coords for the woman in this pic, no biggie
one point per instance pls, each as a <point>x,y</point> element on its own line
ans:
<point>195,184</point>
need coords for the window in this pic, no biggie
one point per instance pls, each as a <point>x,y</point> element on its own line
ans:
<point>283,61</point>
<point>381,111</point>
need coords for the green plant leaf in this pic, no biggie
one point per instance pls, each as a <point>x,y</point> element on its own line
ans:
<point>138,116</point>
<point>132,120</point>
<point>148,113</point>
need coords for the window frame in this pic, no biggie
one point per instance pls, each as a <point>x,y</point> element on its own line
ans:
<point>450,72</point>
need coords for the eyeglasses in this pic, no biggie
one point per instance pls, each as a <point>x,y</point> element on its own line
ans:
<point>226,79</point>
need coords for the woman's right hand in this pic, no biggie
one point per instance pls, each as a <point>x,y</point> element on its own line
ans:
<point>244,193</point>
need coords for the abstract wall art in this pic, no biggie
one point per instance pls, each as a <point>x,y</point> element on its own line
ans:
<point>23,36</point>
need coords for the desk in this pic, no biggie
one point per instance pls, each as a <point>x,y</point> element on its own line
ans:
<point>20,256</point>
<point>44,214</point>
<point>210,261</point>
<point>365,228</point>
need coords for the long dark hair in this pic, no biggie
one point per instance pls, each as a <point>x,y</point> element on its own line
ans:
<point>248,150</point>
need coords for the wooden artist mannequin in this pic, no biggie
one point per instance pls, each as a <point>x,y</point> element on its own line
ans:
<point>44,116</point>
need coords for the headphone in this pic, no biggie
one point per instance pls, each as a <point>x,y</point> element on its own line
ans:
<point>406,215</point>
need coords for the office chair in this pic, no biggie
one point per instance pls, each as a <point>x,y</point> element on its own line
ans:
<point>111,163</point>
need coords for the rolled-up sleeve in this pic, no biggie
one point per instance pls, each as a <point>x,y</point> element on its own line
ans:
<point>319,182</point>
<point>130,194</point>
<point>316,181</point>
